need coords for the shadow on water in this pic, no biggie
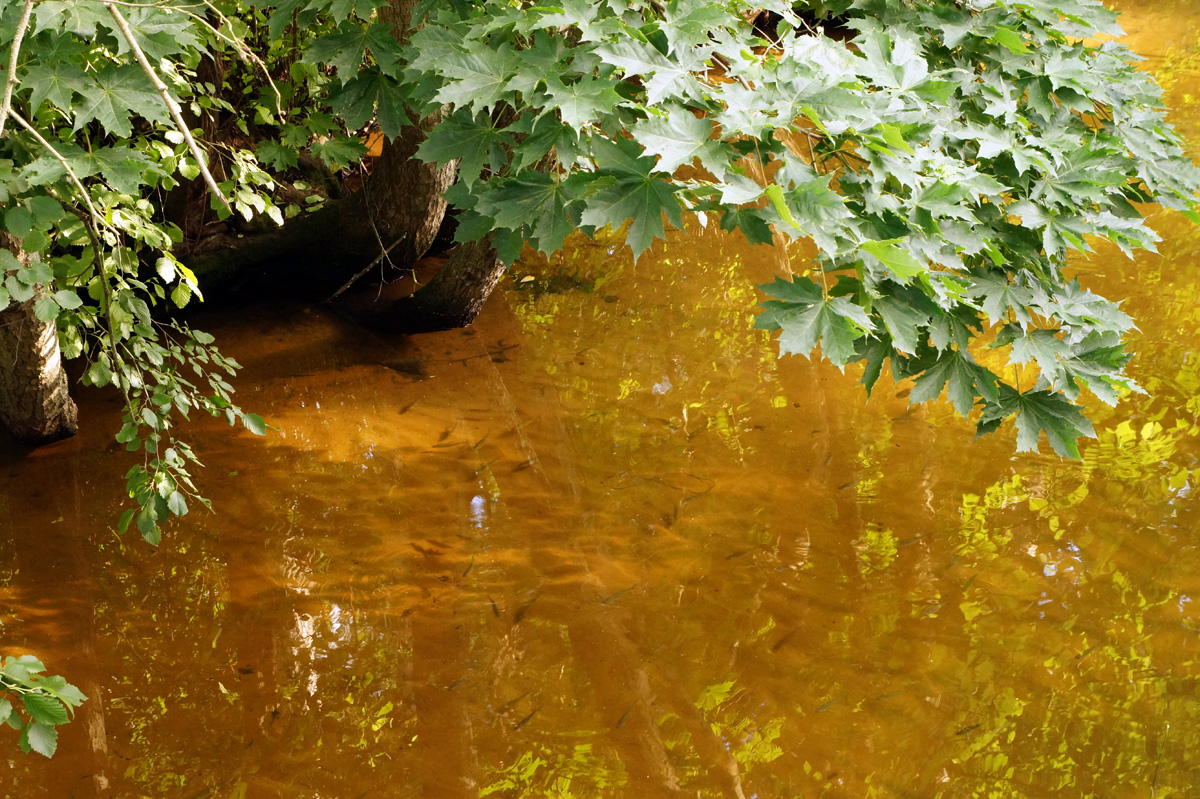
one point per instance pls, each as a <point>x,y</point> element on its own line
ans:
<point>605,544</point>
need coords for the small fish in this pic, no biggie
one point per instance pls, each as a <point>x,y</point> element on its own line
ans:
<point>779,644</point>
<point>828,458</point>
<point>479,443</point>
<point>829,704</point>
<point>512,702</point>
<point>617,595</point>
<point>525,720</point>
<point>523,465</point>
<point>1087,651</point>
<point>456,683</point>
<point>970,582</point>
<point>409,406</point>
<point>495,607</point>
<point>429,553</point>
<point>485,467</point>
<point>624,718</point>
<point>520,614</point>
<point>446,433</point>
<point>966,730</point>
<point>909,541</point>
<point>445,444</point>
<point>850,484</point>
<point>470,566</point>
<point>740,553</point>
<point>929,611</point>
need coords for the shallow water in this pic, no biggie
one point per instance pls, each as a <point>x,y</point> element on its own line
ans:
<point>605,544</point>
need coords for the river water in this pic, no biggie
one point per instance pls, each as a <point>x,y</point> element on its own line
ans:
<point>606,544</point>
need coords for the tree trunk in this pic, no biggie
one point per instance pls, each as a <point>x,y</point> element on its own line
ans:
<point>453,297</point>
<point>398,211</point>
<point>34,403</point>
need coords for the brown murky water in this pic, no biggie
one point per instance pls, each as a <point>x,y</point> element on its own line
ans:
<point>605,544</point>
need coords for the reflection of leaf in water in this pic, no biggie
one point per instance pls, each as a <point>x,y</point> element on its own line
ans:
<point>876,548</point>
<point>556,775</point>
<point>715,695</point>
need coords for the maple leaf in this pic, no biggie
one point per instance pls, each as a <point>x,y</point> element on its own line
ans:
<point>115,93</point>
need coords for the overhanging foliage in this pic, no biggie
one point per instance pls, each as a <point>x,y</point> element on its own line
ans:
<point>945,160</point>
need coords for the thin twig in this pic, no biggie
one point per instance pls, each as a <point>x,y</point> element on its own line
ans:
<point>83,192</point>
<point>358,276</point>
<point>243,50</point>
<point>97,256</point>
<point>10,80</point>
<point>172,106</point>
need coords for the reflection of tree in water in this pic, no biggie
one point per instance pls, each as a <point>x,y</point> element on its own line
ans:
<point>694,299</point>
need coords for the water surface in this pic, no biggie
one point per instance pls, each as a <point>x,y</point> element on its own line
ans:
<point>606,544</point>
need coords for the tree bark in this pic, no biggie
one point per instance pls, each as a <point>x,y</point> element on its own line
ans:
<point>398,210</point>
<point>35,405</point>
<point>453,297</point>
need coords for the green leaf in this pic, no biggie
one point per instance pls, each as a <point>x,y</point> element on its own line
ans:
<point>41,739</point>
<point>57,82</point>
<point>275,155</point>
<point>1011,39</point>
<point>44,709</point>
<point>834,323</point>
<point>473,139</point>
<point>371,94</point>
<point>581,102</point>
<point>678,138</point>
<point>125,521</point>
<point>967,380</point>
<point>255,424</point>
<point>5,709</point>
<point>638,58</point>
<point>18,220</point>
<point>75,16</point>
<point>177,504</point>
<point>346,48</point>
<point>68,299</point>
<point>21,292</point>
<point>100,375</point>
<point>115,92</point>
<point>46,309</point>
<point>1040,412</point>
<point>898,260</point>
<point>1047,350</point>
<point>774,193</point>
<point>903,321</point>
<point>478,78</point>
<point>540,202</point>
<point>640,201</point>
<point>340,151</point>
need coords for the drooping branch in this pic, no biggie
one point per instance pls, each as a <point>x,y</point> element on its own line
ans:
<point>57,156</point>
<point>172,105</point>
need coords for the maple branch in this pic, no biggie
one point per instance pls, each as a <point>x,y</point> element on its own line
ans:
<point>10,81</point>
<point>172,106</point>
